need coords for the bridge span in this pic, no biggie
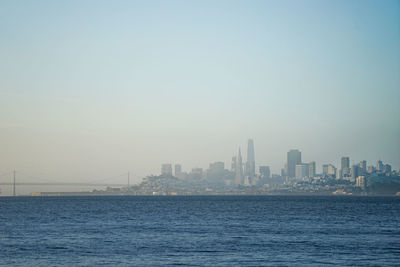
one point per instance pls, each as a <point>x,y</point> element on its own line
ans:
<point>12,181</point>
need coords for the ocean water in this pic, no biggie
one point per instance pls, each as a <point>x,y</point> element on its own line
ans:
<point>200,231</point>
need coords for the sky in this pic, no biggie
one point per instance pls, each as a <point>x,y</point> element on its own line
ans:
<point>93,89</point>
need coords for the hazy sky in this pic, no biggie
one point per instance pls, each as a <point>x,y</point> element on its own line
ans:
<point>97,88</point>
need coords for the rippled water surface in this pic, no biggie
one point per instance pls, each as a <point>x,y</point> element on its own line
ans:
<point>198,231</point>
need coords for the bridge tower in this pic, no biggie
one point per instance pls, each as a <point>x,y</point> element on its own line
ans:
<point>14,185</point>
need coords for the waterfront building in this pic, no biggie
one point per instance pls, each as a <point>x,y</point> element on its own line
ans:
<point>293,159</point>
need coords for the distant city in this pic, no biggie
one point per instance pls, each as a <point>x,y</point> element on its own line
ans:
<point>297,177</point>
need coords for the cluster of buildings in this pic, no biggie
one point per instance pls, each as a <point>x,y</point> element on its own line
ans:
<point>246,177</point>
<point>296,169</point>
<point>240,173</point>
<point>296,175</point>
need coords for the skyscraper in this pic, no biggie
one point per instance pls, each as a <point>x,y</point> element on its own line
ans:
<point>370,169</point>
<point>331,170</point>
<point>250,164</point>
<point>354,172</point>
<point>293,159</point>
<point>325,169</point>
<point>196,174</point>
<point>166,169</point>
<point>301,171</point>
<point>361,182</point>
<point>328,169</point>
<point>363,167</point>
<point>265,172</point>
<point>178,170</point>
<point>345,162</point>
<point>233,165</point>
<point>339,174</point>
<point>387,168</point>
<point>379,166</point>
<point>239,169</point>
<point>311,169</point>
<point>345,165</point>
<point>216,171</point>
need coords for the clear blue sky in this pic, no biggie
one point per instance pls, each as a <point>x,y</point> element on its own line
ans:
<point>95,88</point>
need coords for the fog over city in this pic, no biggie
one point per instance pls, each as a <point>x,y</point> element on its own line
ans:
<point>90,90</point>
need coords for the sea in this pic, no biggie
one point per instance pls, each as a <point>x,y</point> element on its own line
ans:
<point>200,231</point>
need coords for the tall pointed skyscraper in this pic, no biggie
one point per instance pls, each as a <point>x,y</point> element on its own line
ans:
<point>251,163</point>
<point>250,150</point>
<point>239,169</point>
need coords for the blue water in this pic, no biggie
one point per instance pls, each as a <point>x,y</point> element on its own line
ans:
<point>200,231</point>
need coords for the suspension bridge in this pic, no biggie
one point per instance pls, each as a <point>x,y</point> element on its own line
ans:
<point>17,178</point>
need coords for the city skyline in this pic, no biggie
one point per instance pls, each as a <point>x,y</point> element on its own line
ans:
<point>294,155</point>
<point>89,89</point>
<point>199,133</point>
<point>170,167</point>
<point>242,175</point>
